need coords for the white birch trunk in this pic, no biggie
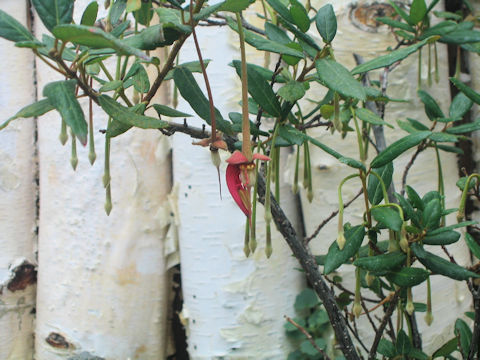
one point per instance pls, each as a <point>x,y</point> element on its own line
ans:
<point>103,281</point>
<point>450,298</point>
<point>18,193</point>
<point>233,306</point>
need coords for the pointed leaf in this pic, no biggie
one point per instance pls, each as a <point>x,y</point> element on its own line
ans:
<point>451,227</point>
<point>460,106</point>
<point>464,336</point>
<point>374,188</point>
<point>300,16</point>
<point>386,348</point>
<point>12,30</point>
<point>336,257</point>
<point>472,245</point>
<point>116,127</point>
<point>111,85</point>
<point>90,14</point>
<point>370,117</point>
<point>446,349</point>
<point>432,214</point>
<point>383,262</point>
<point>444,238</point>
<point>388,217</point>
<point>469,92</point>
<point>418,10</point>
<point>326,22</point>
<point>336,77</point>
<point>432,109</point>
<point>53,13</point>
<point>404,344</point>
<point>61,94</point>
<point>36,109</point>
<point>168,111</point>
<point>464,128</point>
<point>192,66</point>
<point>399,147</point>
<point>408,276</point>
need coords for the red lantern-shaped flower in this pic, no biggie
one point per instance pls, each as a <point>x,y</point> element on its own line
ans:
<point>241,177</point>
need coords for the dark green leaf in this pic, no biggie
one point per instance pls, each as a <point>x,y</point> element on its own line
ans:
<point>383,262</point>
<point>61,94</point>
<point>307,348</point>
<point>459,37</point>
<point>318,318</point>
<point>36,109</point>
<point>260,90</point>
<point>237,125</point>
<point>207,11</point>
<point>352,163</point>
<point>386,348</point>
<point>172,18</point>
<point>54,12</point>
<point>418,354</point>
<point>418,10</point>
<point>336,257</point>
<point>470,315</point>
<point>370,117</point>
<point>191,92</point>
<point>140,80</point>
<point>395,24</point>
<point>276,34</point>
<point>235,5</point>
<point>301,36</point>
<point>451,227</point>
<point>389,59</point>
<point>408,211</point>
<point>292,60</point>
<point>451,149</point>
<point>145,13</point>
<point>168,111</point>
<point>127,117</point>
<point>464,335</point>
<point>399,147</point>
<point>460,106</point>
<point>472,245</point>
<point>444,238</point>
<point>414,198</point>
<point>96,38</point>
<point>326,22</point>
<point>432,214</point>
<point>408,276</point>
<point>116,127</point>
<point>90,14</point>
<point>441,266</point>
<point>404,344</point>
<point>281,9</point>
<point>446,349</point>
<point>336,77</point>
<point>12,30</point>
<point>192,66</point>
<point>112,85</point>
<point>401,12</point>
<point>471,94</point>
<point>388,217</point>
<point>292,91</point>
<point>288,133</point>
<point>300,16</point>
<point>464,128</point>
<point>306,299</point>
<point>432,109</point>
<point>35,44</point>
<point>443,137</point>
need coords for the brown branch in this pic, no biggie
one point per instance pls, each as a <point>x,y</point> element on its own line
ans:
<point>420,148</point>
<point>308,336</point>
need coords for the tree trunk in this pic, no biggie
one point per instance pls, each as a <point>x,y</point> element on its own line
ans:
<point>18,193</point>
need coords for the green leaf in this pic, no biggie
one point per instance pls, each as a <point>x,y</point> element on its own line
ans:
<point>90,14</point>
<point>191,92</point>
<point>451,227</point>
<point>116,127</point>
<point>300,16</point>
<point>127,117</point>
<point>168,111</point>
<point>432,214</point>
<point>307,348</point>
<point>389,59</point>
<point>276,34</point>
<point>460,106</point>
<point>352,163</point>
<point>464,335</point>
<point>395,24</point>
<point>306,299</point>
<point>289,134</point>
<point>281,9</point>
<point>192,66</point>
<point>153,37</point>
<point>172,18</point>
<point>336,77</point>
<point>444,238</point>
<point>418,354</point>
<point>472,245</point>
<point>446,349</point>
<point>133,5</point>
<point>61,94</point>
<point>443,137</point>
<point>408,211</point>
<point>404,344</point>
<point>54,12</point>
<point>401,12</point>
<point>36,109</point>
<point>464,128</point>
<point>418,10</point>
<point>112,85</point>
<point>116,11</point>
<point>145,14</point>
<point>471,94</point>
<point>292,91</point>
<point>408,276</point>
<point>432,109</point>
<point>336,257</point>
<point>96,38</point>
<point>235,5</point>
<point>441,266</point>
<point>414,198</point>
<point>388,217</point>
<point>326,22</point>
<point>370,117</point>
<point>386,348</point>
<point>260,90</point>
<point>261,43</point>
<point>399,147</point>
<point>292,60</point>
<point>140,80</point>
<point>12,30</point>
<point>383,262</point>
<point>459,37</point>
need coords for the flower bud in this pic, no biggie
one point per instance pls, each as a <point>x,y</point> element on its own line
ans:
<point>429,318</point>
<point>403,239</point>
<point>341,240</point>
<point>357,309</point>
<point>410,307</point>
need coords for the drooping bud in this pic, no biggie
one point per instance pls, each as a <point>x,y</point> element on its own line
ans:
<point>403,238</point>
<point>357,309</point>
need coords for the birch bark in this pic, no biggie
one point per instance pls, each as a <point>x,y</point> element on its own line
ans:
<point>18,192</point>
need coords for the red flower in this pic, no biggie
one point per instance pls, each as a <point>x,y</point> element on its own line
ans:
<point>241,177</point>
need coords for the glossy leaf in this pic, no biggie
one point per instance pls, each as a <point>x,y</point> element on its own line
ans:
<point>452,227</point>
<point>191,92</point>
<point>336,257</point>
<point>432,109</point>
<point>469,92</point>
<point>388,217</point>
<point>443,137</point>
<point>389,59</point>
<point>418,10</point>
<point>473,245</point>
<point>383,262</point>
<point>53,13</point>
<point>61,94</point>
<point>336,77</point>
<point>464,128</point>
<point>12,30</point>
<point>403,344</point>
<point>300,16</point>
<point>441,266</point>
<point>281,9</point>
<point>127,117</point>
<point>260,90</point>
<point>326,23</point>
<point>374,188</point>
<point>432,214</point>
<point>459,37</point>
<point>398,147</point>
<point>90,14</point>
<point>464,336</point>
<point>408,276</point>
<point>36,109</point>
<point>460,106</point>
<point>443,238</point>
<point>370,117</point>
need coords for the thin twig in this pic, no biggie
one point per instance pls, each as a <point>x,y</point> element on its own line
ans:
<point>355,334</point>
<point>364,306</point>
<point>308,336</point>
<point>344,289</point>
<point>420,148</point>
